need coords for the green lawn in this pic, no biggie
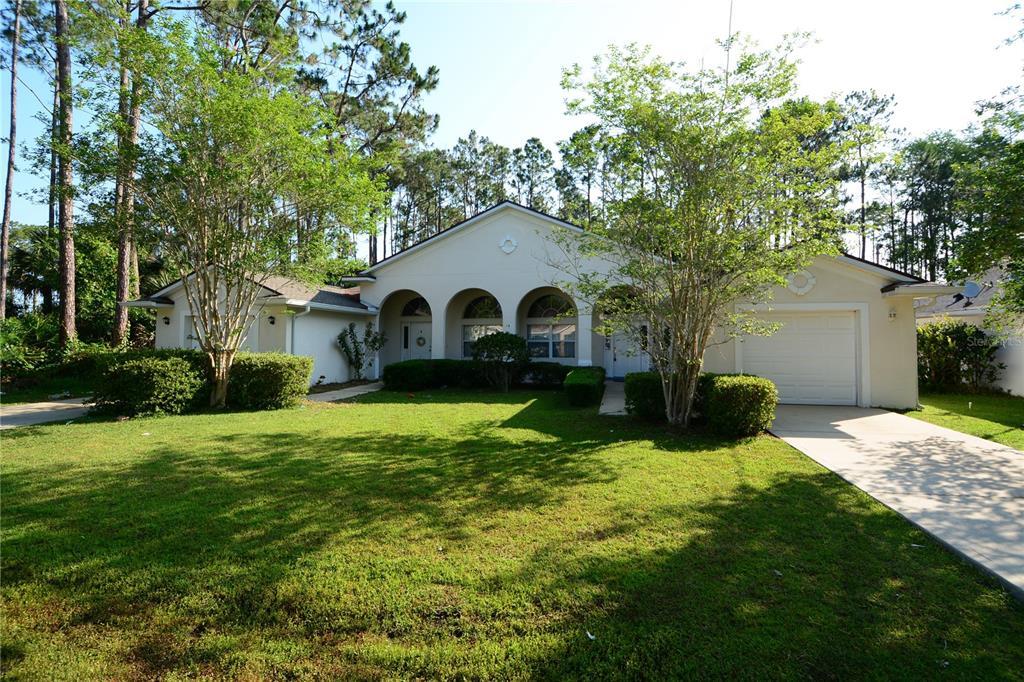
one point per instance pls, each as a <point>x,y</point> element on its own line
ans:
<point>999,418</point>
<point>466,535</point>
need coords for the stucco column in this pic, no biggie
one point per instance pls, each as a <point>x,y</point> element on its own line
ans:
<point>509,310</point>
<point>584,339</point>
<point>438,323</point>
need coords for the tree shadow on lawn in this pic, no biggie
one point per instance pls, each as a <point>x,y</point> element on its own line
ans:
<point>213,539</point>
<point>805,578</point>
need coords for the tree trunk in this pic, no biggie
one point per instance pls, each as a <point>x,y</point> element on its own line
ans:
<point>5,231</point>
<point>130,109</point>
<point>863,213</point>
<point>220,363</point>
<point>68,333</point>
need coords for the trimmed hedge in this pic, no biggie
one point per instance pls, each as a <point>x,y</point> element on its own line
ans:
<point>741,405</point>
<point>416,375</point>
<point>732,404</point>
<point>164,381</point>
<point>644,396</point>
<point>134,386</point>
<point>584,386</point>
<point>545,374</point>
<point>268,381</point>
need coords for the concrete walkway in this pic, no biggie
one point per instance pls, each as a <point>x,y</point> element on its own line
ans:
<point>614,400</point>
<point>345,393</point>
<point>965,491</point>
<point>27,414</point>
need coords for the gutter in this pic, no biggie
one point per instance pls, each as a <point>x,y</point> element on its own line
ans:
<point>291,342</point>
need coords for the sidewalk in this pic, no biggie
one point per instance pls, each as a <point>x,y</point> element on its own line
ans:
<point>345,393</point>
<point>27,414</point>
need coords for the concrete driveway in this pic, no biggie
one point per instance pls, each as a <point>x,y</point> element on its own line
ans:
<point>965,491</point>
<point>27,414</point>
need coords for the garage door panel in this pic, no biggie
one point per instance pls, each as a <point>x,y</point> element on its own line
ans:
<point>812,358</point>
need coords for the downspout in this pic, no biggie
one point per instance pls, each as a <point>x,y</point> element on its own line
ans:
<point>295,317</point>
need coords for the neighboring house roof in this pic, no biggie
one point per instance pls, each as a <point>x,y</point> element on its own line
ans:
<point>448,231</point>
<point>959,304</point>
<point>279,290</point>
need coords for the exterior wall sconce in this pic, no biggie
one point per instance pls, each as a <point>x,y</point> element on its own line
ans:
<point>892,314</point>
<point>167,320</point>
<point>271,319</point>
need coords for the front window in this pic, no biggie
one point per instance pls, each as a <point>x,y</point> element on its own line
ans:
<point>551,340</point>
<point>472,332</point>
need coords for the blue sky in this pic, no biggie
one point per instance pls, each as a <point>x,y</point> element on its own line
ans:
<point>500,62</point>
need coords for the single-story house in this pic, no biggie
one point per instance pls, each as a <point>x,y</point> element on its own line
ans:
<point>970,305</point>
<point>847,336</point>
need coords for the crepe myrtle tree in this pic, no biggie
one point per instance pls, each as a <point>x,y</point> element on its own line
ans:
<point>250,179</point>
<point>721,185</point>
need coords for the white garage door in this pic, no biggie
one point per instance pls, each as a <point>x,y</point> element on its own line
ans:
<point>812,358</point>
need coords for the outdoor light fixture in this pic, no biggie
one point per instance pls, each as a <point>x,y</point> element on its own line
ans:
<point>167,320</point>
<point>271,319</point>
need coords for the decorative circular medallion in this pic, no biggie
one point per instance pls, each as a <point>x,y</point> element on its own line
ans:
<point>420,341</point>
<point>801,282</point>
<point>508,244</point>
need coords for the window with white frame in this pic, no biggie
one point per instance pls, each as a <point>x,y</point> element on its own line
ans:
<point>551,327</point>
<point>472,332</point>
<point>482,316</point>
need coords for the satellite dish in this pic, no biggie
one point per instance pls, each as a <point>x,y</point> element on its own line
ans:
<point>972,289</point>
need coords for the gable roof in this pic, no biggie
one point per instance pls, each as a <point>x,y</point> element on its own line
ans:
<point>879,269</point>
<point>366,275</point>
<point>293,291</point>
<point>448,231</point>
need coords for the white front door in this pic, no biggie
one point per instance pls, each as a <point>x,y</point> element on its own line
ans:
<point>622,357</point>
<point>416,341</point>
<point>812,358</point>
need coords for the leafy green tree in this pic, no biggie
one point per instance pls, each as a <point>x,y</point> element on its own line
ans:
<point>241,155</point>
<point>714,177</point>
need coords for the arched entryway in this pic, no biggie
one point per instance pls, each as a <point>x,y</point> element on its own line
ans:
<point>406,319</point>
<point>471,313</point>
<point>547,318</point>
<point>625,350</point>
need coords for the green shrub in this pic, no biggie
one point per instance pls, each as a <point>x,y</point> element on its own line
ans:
<point>268,381</point>
<point>545,374</point>
<point>409,375</point>
<point>740,405</point>
<point>150,385</point>
<point>644,395</point>
<point>416,375</point>
<point>956,356</point>
<point>584,386</point>
<point>502,357</point>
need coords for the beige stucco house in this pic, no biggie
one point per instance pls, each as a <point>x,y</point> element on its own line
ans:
<point>847,336</point>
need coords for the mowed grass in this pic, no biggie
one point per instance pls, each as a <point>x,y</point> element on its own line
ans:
<point>995,417</point>
<point>466,535</point>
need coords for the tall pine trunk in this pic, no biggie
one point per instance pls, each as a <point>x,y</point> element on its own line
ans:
<point>129,109</point>
<point>5,231</point>
<point>68,333</point>
<point>51,199</point>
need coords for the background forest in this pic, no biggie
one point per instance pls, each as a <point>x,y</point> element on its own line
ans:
<point>944,206</point>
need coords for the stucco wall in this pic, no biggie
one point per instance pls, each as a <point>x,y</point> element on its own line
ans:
<point>892,344</point>
<point>472,259</point>
<point>316,336</point>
